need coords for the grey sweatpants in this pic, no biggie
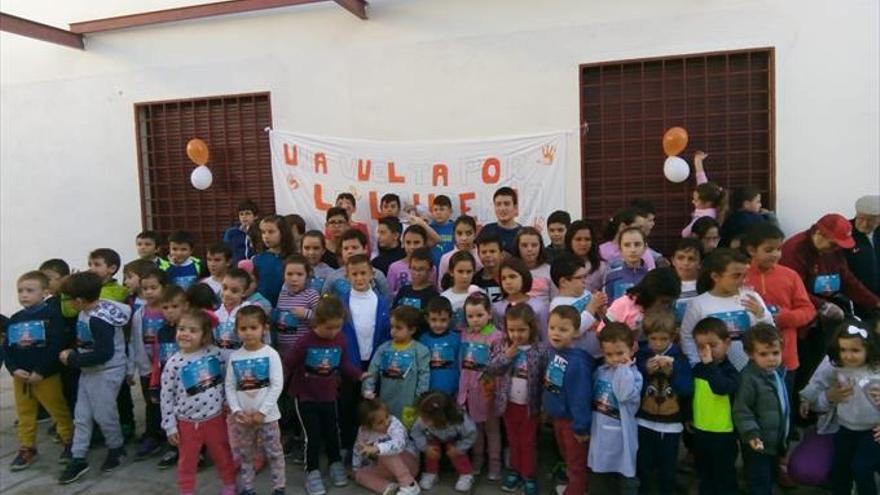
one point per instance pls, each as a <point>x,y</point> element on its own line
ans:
<point>96,403</point>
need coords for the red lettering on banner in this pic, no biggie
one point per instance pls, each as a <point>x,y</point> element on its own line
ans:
<point>393,178</point>
<point>320,204</point>
<point>320,162</point>
<point>364,169</point>
<point>491,170</point>
<point>431,200</point>
<point>440,170</point>
<point>374,205</point>
<point>463,198</point>
<point>291,158</point>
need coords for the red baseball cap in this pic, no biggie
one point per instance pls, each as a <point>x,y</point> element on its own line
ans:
<point>837,229</point>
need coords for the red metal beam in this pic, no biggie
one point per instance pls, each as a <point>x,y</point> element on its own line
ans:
<point>42,32</point>
<point>182,14</point>
<point>356,7</point>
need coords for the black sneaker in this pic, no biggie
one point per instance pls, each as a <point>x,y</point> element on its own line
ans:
<point>24,459</point>
<point>66,455</point>
<point>74,471</point>
<point>114,459</point>
<point>169,459</point>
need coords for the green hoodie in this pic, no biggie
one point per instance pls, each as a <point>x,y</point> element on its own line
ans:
<point>111,290</point>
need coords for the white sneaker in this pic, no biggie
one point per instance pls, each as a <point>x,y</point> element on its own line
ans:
<point>465,483</point>
<point>409,490</point>
<point>391,489</point>
<point>560,489</point>
<point>427,481</point>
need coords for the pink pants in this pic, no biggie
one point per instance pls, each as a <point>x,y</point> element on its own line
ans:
<point>575,455</point>
<point>461,462</point>
<point>522,437</point>
<point>489,432</point>
<point>212,434</point>
<point>400,468</point>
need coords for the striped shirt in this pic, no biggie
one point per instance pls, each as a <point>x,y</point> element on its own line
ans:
<point>288,327</point>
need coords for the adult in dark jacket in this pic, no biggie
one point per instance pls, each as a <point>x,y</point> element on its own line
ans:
<point>864,257</point>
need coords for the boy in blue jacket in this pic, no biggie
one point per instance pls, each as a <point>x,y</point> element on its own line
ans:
<point>100,356</point>
<point>443,343</point>
<point>34,337</point>
<point>567,384</point>
<point>667,383</point>
<point>367,326</point>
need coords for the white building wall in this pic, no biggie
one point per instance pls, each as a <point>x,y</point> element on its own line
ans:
<point>418,69</point>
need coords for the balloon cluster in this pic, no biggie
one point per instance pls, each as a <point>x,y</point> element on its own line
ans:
<point>675,168</point>
<point>197,151</point>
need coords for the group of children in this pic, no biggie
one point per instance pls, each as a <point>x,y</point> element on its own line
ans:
<point>452,341</point>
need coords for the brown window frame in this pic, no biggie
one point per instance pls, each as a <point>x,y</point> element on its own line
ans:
<point>646,153</point>
<point>240,161</point>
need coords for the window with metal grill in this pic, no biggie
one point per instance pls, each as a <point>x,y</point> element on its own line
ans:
<point>233,128</point>
<point>725,101</point>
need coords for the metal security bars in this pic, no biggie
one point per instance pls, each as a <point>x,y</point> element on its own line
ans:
<point>233,128</point>
<point>725,101</point>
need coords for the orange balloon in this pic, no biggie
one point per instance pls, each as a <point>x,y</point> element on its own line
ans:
<point>675,140</point>
<point>197,151</point>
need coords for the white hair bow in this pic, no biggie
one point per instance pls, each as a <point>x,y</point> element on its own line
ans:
<point>853,330</point>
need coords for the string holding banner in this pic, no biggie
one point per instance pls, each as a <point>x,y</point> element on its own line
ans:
<point>310,171</point>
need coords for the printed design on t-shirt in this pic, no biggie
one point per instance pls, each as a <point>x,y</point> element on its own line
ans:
<point>459,321</point>
<point>284,321</point>
<point>659,399</point>
<point>166,350</point>
<point>317,283</point>
<point>413,302</point>
<point>225,336</point>
<point>150,326</point>
<point>581,304</point>
<point>828,283</point>
<point>395,364</point>
<point>201,374</point>
<point>84,339</point>
<point>341,287</point>
<point>494,293</point>
<point>442,356</point>
<point>323,361</point>
<point>680,309</point>
<point>251,374</point>
<point>521,365</point>
<point>554,377</point>
<point>184,281</point>
<point>474,356</point>
<point>738,322</point>
<point>619,288</point>
<point>403,278</point>
<point>27,334</point>
<point>773,309</point>
<point>604,400</point>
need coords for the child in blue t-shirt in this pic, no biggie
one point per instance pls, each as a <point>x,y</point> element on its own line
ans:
<point>443,343</point>
<point>441,211</point>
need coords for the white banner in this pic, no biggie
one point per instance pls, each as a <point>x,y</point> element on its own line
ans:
<point>309,171</point>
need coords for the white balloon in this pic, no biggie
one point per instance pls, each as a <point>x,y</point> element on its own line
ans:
<point>201,177</point>
<point>676,169</point>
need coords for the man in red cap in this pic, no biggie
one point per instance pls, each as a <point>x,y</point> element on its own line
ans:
<point>817,256</point>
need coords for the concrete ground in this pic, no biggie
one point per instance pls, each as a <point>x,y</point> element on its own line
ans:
<point>142,478</point>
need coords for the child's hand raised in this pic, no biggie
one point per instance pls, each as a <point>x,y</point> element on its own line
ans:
<point>804,409</point>
<point>597,302</point>
<point>706,354</point>
<point>511,351</point>
<point>752,305</point>
<point>756,444</point>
